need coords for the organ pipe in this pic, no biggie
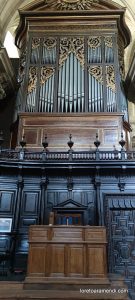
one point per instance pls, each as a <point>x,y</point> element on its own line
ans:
<point>71,65</point>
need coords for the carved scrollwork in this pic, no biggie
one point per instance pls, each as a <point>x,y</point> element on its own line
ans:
<point>94,42</point>
<point>22,64</point>
<point>71,4</point>
<point>121,58</point>
<point>35,43</point>
<point>32,79</point>
<point>49,43</point>
<point>96,72</point>
<point>110,77</point>
<point>75,45</point>
<point>108,41</point>
<point>46,73</point>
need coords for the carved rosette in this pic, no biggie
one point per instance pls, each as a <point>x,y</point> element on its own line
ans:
<point>96,72</point>
<point>46,73</point>
<point>32,79</point>
<point>71,4</point>
<point>35,43</point>
<point>75,45</point>
<point>49,43</point>
<point>94,42</point>
<point>108,41</point>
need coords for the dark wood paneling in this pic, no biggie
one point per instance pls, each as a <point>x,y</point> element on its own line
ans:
<point>7,202</point>
<point>120,222</point>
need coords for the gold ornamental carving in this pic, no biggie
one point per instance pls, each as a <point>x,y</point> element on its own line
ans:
<point>110,77</point>
<point>121,58</point>
<point>71,4</point>
<point>72,45</point>
<point>32,79</point>
<point>109,41</point>
<point>35,43</point>
<point>46,73</point>
<point>94,42</point>
<point>96,72</point>
<point>49,43</point>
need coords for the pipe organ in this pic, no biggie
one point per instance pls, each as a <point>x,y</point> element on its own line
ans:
<point>71,63</point>
<point>73,74</point>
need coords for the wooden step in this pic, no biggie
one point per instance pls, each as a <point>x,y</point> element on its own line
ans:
<point>15,294</point>
<point>9,285</point>
<point>15,291</point>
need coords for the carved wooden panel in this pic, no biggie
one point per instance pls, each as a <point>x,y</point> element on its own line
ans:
<point>121,234</point>
<point>58,127</point>
<point>81,199</point>
<point>96,264</point>
<point>76,260</point>
<point>57,260</point>
<point>38,265</point>
<point>30,211</point>
<point>7,202</point>
<point>63,251</point>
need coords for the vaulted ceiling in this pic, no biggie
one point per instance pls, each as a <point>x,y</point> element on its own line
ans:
<point>9,19</point>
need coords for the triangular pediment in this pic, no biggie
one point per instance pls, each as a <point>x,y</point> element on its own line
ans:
<point>69,204</point>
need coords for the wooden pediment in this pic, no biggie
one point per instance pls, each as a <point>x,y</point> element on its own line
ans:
<point>71,12</point>
<point>69,204</point>
<point>72,5</point>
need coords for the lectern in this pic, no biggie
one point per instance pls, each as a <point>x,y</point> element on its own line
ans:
<point>67,251</point>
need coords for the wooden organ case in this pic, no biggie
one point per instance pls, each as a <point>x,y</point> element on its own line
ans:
<point>71,73</point>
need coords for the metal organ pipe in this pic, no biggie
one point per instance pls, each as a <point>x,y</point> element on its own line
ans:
<point>71,86</point>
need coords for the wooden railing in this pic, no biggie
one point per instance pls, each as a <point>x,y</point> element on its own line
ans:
<point>97,155</point>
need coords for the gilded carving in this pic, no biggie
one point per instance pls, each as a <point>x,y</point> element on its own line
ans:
<point>46,73</point>
<point>110,77</point>
<point>71,4</point>
<point>35,43</point>
<point>108,41</point>
<point>94,42</point>
<point>96,72</point>
<point>22,64</point>
<point>32,79</point>
<point>68,45</point>
<point>49,43</point>
<point>121,58</point>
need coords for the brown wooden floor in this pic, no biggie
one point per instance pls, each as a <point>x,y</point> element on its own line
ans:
<point>15,291</point>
